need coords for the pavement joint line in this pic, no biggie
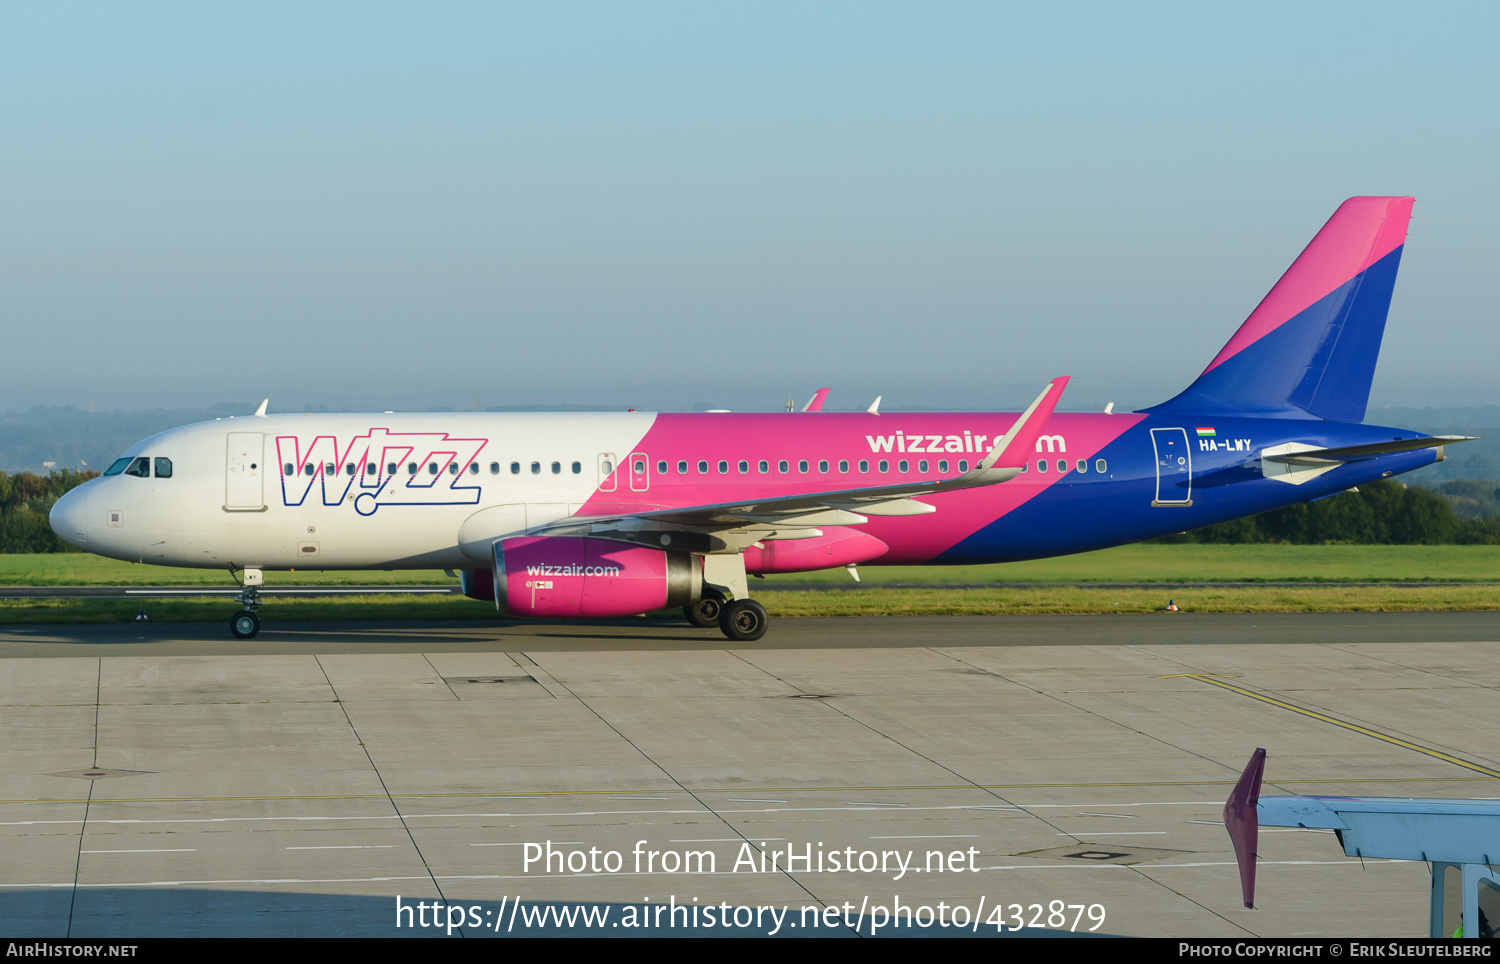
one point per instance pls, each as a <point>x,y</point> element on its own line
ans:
<point>354,730</point>
<point>729,827</point>
<point>540,794</point>
<point>83,824</point>
<point>1345,724</point>
<point>1077,708</point>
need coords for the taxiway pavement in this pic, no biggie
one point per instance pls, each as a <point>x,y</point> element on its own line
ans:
<point>169,780</point>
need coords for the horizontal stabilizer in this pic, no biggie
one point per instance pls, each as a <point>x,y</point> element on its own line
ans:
<point>1355,453</point>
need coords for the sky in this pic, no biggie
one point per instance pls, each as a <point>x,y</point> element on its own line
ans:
<point>403,206</point>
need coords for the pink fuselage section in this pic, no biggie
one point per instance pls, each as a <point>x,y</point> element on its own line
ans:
<point>723,456</point>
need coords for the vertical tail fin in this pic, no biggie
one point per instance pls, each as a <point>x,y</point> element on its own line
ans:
<point>1309,348</point>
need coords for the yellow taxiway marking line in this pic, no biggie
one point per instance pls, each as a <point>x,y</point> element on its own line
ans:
<point>1345,724</point>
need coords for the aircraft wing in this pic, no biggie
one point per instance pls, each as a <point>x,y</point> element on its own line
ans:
<point>848,506</point>
<point>1354,453</point>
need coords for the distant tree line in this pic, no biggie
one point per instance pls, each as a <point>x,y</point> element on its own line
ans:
<point>25,502</point>
<point>1381,513</point>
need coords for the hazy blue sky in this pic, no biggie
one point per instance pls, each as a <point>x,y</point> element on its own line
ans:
<point>390,206</point>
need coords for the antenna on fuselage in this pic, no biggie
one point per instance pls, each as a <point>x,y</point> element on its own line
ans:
<point>1109,409</point>
<point>261,412</point>
<point>874,408</point>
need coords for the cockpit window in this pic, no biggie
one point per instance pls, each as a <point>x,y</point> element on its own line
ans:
<point>164,468</point>
<point>141,468</point>
<point>117,467</point>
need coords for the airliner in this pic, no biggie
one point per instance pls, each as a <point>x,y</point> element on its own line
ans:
<point>600,515</point>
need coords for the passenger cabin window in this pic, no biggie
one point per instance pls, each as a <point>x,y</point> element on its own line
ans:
<point>743,466</point>
<point>164,468</point>
<point>494,468</point>
<point>682,468</point>
<point>702,468</point>
<point>822,465</point>
<point>140,468</point>
<point>557,468</point>
<point>843,465</point>
<point>118,466</point>
<point>942,466</point>
<point>474,468</point>
<point>963,465</point>
<point>331,469</point>
<point>432,468</point>
<point>1062,466</point>
<point>723,467</point>
<point>287,469</point>
<point>309,469</point>
<point>411,468</point>
<point>452,468</point>
<point>390,468</point>
<point>349,468</point>
<point>371,468</point>
<point>903,465</point>
<point>864,465</point>
<point>781,466</point>
<point>661,467</point>
<point>515,468</point>
<point>536,468</point>
<point>1083,465</point>
<point>1099,466</point>
<point>802,465</point>
<point>763,466</point>
<point>1041,465</point>
<point>577,468</point>
<point>884,465</point>
<point>639,467</point>
<point>921,465</point>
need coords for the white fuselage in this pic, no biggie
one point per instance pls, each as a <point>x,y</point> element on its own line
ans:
<point>295,491</point>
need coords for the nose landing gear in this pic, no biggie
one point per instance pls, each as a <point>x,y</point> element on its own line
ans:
<point>245,624</point>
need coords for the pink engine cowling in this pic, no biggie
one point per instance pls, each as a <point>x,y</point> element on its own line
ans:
<point>567,577</point>
<point>837,546</point>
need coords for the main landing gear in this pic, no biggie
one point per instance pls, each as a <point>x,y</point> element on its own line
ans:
<point>706,611</point>
<point>742,620</point>
<point>726,601</point>
<point>245,624</point>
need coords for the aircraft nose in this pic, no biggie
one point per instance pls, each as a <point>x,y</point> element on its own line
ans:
<point>69,518</point>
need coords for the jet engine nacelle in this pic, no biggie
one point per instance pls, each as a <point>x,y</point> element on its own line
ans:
<point>837,546</point>
<point>568,577</point>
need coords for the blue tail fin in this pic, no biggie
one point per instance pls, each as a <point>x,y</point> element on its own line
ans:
<point>1309,349</point>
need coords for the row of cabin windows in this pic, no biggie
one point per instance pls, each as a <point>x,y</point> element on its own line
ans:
<point>433,468</point>
<point>803,466</point>
<point>140,467</point>
<point>1100,466</point>
<point>883,465</point>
